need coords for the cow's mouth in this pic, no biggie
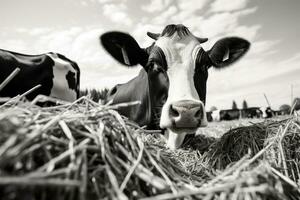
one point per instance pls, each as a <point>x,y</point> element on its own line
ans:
<point>175,136</point>
<point>180,130</point>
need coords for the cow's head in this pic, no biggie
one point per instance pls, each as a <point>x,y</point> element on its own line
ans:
<point>177,68</point>
<point>266,112</point>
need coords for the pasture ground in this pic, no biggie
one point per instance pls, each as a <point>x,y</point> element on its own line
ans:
<point>84,150</point>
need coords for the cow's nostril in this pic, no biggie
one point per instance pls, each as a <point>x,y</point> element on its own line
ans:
<point>198,114</point>
<point>173,112</point>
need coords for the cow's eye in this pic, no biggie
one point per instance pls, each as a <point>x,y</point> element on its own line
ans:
<point>149,66</point>
<point>163,97</point>
<point>157,69</point>
<point>154,67</point>
<point>202,61</point>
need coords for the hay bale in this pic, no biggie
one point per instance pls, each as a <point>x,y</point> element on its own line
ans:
<point>285,154</point>
<point>235,144</point>
<point>80,150</point>
<point>259,183</point>
<point>84,150</point>
<point>186,161</point>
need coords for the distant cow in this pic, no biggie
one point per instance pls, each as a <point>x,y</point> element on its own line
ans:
<point>230,114</point>
<point>280,112</point>
<point>57,75</point>
<point>171,86</point>
<point>267,112</point>
<point>252,112</point>
<point>209,116</point>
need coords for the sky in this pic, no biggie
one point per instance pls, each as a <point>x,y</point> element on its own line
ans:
<point>73,27</point>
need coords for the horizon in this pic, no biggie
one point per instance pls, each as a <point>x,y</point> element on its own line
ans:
<point>271,66</point>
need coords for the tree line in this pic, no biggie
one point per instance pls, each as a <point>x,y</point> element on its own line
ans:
<point>284,107</point>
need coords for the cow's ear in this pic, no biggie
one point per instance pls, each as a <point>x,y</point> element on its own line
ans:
<point>124,48</point>
<point>227,51</point>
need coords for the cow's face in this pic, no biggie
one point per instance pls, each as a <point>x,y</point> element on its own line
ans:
<point>177,71</point>
<point>180,64</point>
<point>266,112</point>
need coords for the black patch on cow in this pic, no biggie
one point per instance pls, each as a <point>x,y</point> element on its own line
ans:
<point>180,29</point>
<point>113,90</point>
<point>234,47</point>
<point>158,83</point>
<point>229,114</point>
<point>201,74</point>
<point>76,68</point>
<point>124,48</point>
<point>137,89</point>
<point>158,91</point>
<point>34,70</point>
<point>157,57</point>
<point>71,80</point>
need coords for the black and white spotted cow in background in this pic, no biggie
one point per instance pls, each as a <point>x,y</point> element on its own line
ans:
<point>229,114</point>
<point>58,76</point>
<point>267,112</point>
<point>252,112</point>
<point>171,86</point>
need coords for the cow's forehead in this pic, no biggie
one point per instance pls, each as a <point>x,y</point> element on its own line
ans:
<point>178,49</point>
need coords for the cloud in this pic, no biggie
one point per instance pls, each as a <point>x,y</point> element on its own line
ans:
<point>213,25</point>
<point>247,32</point>
<point>107,78</point>
<point>140,32</point>
<point>264,47</point>
<point>225,6</point>
<point>251,77</point>
<point>117,13</point>
<point>156,6</point>
<point>192,5</point>
<point>57,40</point>
<point>165,16</point>
<point>16,45</point>
<point>104,1</point>
<point>224,23</point>
<point>110,1</point>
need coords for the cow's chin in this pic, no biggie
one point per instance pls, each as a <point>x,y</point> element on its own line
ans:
<point>183,130</point>
<point>175,136</point>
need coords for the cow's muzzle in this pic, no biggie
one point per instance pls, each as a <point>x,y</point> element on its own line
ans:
<point>184,117</point>
<point>186,114</point>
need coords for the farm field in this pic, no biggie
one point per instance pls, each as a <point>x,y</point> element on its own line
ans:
<point>217,129</point>
<point>84,150</point>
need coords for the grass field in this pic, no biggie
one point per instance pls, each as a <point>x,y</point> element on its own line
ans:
<point>217,129</point>
<point>84,150</point>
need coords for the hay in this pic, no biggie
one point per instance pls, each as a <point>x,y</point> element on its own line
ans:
<point>84,150</point>
<point>81,150</point>
<point>237,142</point>
<point>286,155</point>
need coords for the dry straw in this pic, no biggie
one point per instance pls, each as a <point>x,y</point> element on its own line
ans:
<point>84,150</point>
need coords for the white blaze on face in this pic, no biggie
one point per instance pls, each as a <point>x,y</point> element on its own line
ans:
<point>61,89</point>
<point>180,54</point>
<point>263,110</point>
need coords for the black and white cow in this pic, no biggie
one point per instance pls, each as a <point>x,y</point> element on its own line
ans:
<point>58,76</point>
<point>267,112</point>
<point>172,83</point>
<point>229,114</point>
<point>252,112</point>
<point>209,116</point>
